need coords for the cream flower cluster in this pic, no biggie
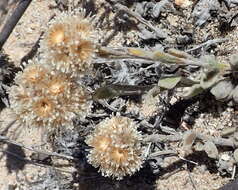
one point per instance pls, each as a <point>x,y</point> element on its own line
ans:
<point>46,92</point>
<point>69,43</point>
<point>47,98</point>
<point>116,148</point>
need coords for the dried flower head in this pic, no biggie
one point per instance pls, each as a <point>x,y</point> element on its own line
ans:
<point>18,93</point>
<point>69,43</point>
<point>116,147</point>
<point>85,29</point>
<point>33,74</point>
<point>52,100</point>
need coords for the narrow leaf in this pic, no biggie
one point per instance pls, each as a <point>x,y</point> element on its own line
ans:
<point>234,62</point>
<point>139,52</point>
<point>209,78</point>
<point>104,93</point>
<point>115,90</point>
<point>166,58</point>
<point>179,54</point>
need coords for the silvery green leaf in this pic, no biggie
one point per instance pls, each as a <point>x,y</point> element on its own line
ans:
<point>209,62</point>
<point>139,52</point>
<point>234,66</point>
<point>210,73</point>
<point>169,82</point>
<point>163,57</point>
<point>115,90</point>
<point>199,146</point>
<point>192,91</point>
<point>223,90</point>
<point>179,53</point>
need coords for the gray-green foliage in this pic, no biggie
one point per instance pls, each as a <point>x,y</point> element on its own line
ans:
<point>210,74</point>
<point>219,79</point>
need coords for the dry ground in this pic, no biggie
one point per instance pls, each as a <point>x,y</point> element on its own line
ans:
<point>20,42</point>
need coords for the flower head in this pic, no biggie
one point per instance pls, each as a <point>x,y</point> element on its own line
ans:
<point>69,43</point>
<point>116,147</point>
<point>50,98</point>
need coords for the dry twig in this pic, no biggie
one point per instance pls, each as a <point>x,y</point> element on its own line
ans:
<point>13,20</point>
<point>207,44</point>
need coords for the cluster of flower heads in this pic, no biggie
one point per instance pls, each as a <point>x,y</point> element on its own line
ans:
<point>69,43</point>
<point>46,93</point>
<point>116,148</point>
<point>46,97</point>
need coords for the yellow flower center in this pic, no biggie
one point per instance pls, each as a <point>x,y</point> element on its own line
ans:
<point>56,35</point>
<point>119,155</point>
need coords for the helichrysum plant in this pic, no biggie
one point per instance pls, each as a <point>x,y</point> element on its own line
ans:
<point>115,147</point>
